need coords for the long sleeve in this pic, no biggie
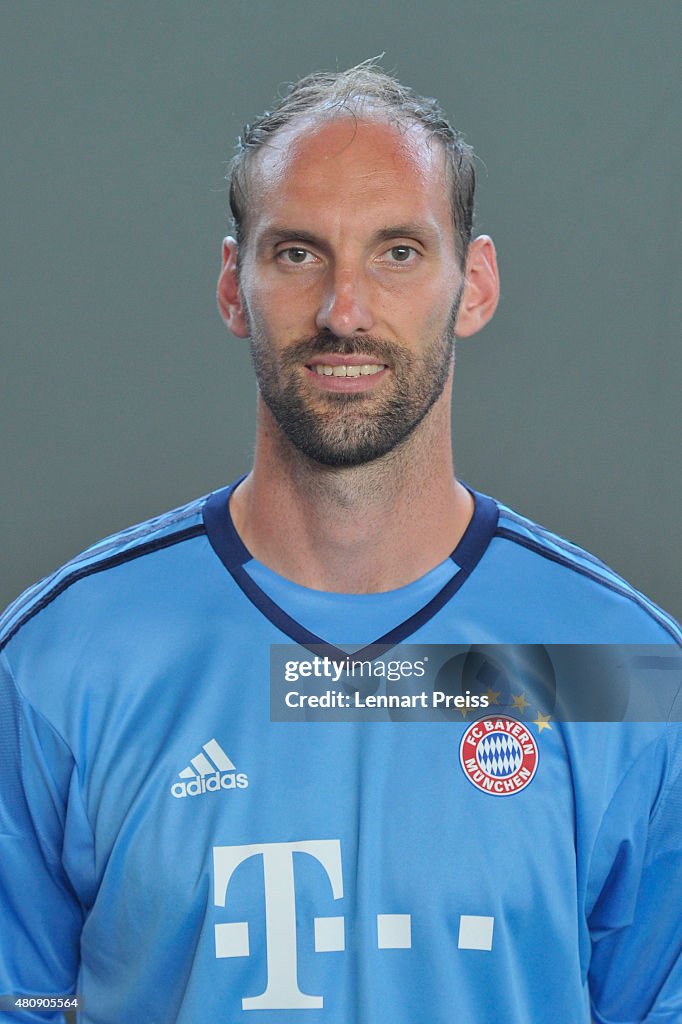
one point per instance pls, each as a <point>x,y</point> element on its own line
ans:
<point>40,913</point>
<point>636,921</point>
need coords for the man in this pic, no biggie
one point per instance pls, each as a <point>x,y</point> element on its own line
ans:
<point>170,853</point>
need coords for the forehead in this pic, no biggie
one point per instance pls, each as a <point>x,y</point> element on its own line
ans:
<point>348,170</point>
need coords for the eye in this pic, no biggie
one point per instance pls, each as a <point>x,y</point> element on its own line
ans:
<point>294,254</point>
<point>401,254</point>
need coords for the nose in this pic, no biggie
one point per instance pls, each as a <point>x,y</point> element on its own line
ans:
<point>345,307</point>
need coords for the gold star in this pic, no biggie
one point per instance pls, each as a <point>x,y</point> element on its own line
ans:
<point>463,712</point>
<point>493,695</point>
<point>542,721</point>
<point>520,701</point>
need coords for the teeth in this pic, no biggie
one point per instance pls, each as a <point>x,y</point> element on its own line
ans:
<point>347,371</point>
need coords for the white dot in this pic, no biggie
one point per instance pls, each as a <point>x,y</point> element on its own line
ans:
<point>232,939</point>
<point>329,934</point>
<point>394,931</point>
<point>475,932</point>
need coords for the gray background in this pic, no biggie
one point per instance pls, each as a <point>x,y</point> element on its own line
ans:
<point>123,394</point>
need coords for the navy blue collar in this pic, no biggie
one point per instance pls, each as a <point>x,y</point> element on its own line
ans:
<point>229,547</point>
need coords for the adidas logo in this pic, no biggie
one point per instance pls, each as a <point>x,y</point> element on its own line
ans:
<point>209,772</point>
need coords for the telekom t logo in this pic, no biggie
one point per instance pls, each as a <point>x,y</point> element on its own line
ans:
<point>282,992</point>
<point>232,939</point>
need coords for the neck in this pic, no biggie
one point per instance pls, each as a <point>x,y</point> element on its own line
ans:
<point>363,529</point>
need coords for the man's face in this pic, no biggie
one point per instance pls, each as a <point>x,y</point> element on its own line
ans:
<point>350,285</point>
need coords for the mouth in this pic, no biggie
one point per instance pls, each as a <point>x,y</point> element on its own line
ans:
<point>347,369</point>
<point>346,373</point>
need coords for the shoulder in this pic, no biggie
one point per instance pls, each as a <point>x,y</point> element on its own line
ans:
<point>142,541</point>
<point>548,568</point>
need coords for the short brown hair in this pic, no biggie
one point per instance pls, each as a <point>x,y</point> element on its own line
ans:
<point>363,87</point>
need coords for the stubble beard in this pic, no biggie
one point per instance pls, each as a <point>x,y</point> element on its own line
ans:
<point>344,430</point>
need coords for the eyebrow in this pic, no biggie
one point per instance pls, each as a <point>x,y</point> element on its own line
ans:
<point>411,230</point>
<point>274,235</point>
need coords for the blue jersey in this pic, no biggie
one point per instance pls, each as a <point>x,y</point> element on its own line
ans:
<point>172,855</point>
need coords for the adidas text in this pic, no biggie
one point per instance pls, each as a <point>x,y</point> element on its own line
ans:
<point>210,784</point>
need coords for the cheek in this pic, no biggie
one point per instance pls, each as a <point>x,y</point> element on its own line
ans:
<point>427,323</point>
<point>439,320</point>
<point>420,307</point>
<point>278,313</point>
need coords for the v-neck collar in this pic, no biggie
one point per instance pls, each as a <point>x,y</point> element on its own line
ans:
<point>232,552</point>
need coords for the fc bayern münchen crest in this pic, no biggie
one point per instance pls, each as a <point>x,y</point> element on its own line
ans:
<point>498,755</point>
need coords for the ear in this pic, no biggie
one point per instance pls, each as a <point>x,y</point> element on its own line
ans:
<point>229,296</point>
<point>481,288</point>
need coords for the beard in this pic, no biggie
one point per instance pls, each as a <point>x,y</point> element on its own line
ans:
<point>344,430</point>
